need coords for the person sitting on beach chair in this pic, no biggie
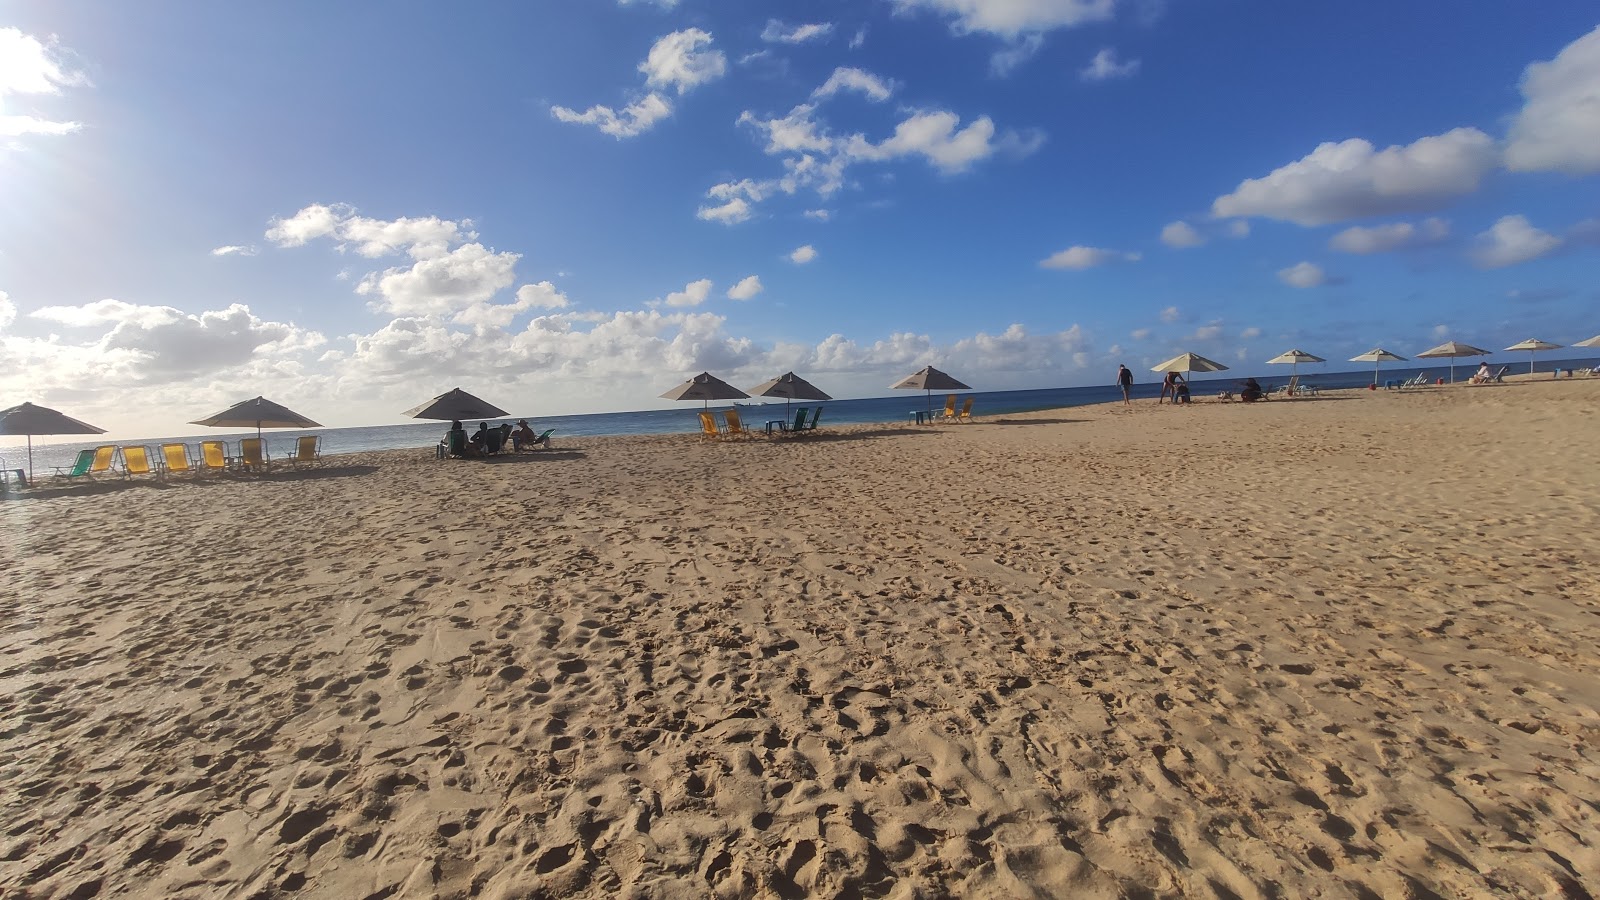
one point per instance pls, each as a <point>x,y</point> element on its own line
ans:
<point>1483,375</point>
<point>1250,391</point>
<point>1180,392</point>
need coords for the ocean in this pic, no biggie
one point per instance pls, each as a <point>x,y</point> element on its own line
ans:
<point>895,409</point>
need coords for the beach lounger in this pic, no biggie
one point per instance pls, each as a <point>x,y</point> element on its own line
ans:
<point>253,455</point>
<point>708,426</point>
<point>104,456</point>
<point>949,414</point>
<point>136,461</point>
<point>79,467</point>
<point>10,475</point>
<point>213,456</point>
<point>307,450</point>
<point>801,427</point>
<point>541,441</point>
<point>1289,388</point>
<point>966,411</point>
<point>175,458</point>
<point>735,425</point>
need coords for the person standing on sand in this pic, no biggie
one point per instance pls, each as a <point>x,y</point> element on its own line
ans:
<point>1169,386</point>
<point>1125,381</point>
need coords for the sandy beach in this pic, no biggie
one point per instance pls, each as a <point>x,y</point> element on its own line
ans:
<point>1342,646</point>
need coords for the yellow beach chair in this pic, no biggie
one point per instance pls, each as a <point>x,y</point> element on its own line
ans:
<point>136,461</point>
<point>949,409</point>
<point>708,427</point>
<point>966,411</point>
<point>104,456</point>
<point>213,456</point>
<point>175,458</point>
<point>253,454</point>
<point>735,425</point>
<point>307,450</point>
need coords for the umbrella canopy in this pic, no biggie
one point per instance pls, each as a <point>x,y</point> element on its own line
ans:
<point>929,379</point>
<point>706,387</point>
<point>1189,362</point>
<point>1377,356</point>
<point>1294,358</point>
<point>1533,345</point>
<point>456,404</point>
<point>1452,350</point>
<point>261,413</point>
<point>1591,342</point>
<point>789,386</point>
<point>30,420</point>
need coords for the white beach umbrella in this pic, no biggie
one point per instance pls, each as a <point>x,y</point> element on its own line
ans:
<point>1591,342</point>
<point>1533,345</point>
<point>1294,358</point>
<point>1377,356</point>
<point>1189,362</point>
<point>1452,350</point>
<point>25,418</point>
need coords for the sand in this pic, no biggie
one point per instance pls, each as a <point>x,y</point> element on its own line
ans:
<point>1340,646</point>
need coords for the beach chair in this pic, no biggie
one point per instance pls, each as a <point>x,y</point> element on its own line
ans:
<point>78,469</point>
<point>136,461</point>
<point>708,426</point>
<point>213,456</point>
<point>966,412</point>
<point>1288,389</point>
<point>104,456</point>
<point>541,441</point>
<point>735,425</point>
<point>307,450</point>
<point>799,419</point>
<point>1418,380</point>
<point>801,428</point>
<point>949,414</point>
<point>10,475</point>
<point>253,455</point>
<point>175,458</point>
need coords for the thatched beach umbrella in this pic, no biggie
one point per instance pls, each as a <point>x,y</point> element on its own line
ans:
<point>706,387</point>
<point>1533,345</point>
<point>1452,350</point>
<point>789,386</point>
<point>456,404</point>
<point>25,418</point>
<point>1377,356</point>
<point>258,413</point>
<point>929,379</point>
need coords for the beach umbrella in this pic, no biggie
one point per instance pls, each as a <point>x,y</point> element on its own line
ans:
<point>929,379</point>
<point>456,404</point>
<point>1189,362</point>
<point>1452,350</point>
<point>1377,356</point>
<point>1294,358</point>
<point>1533,345</point>
<point>258,413</point>
<point>789,386</point>
<point>1591,342</point>
<point>706,387</point>
<point>30,420</point>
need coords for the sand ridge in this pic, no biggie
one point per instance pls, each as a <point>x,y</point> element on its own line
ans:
<point>1334,647</point>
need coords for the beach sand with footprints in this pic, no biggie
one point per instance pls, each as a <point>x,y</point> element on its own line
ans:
<point>1342,646</point>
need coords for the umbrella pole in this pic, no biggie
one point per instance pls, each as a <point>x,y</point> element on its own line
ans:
<point>30,458</point>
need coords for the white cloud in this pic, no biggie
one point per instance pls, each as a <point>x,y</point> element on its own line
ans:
<point>778,32</point>
<point>1080,257</point>
<point>441,285</point>
<point>8,310</point>
<point>934,136</point>
<point>1239,229</point>
<point>31,66</point>
<point>1139,334</point>
<point>421,238</point>
<point>803,255</point>
<point>1006,60</point>
<point>500,315</point>
<point>1441,332</point>
<point>635,119</point>
<point>664,4</point>
<point>1170,315</point>
<point>693,294</point>
<point>1206,332</point>
<point>1181,234</point>
<point>821,215</point>
<point>234,250</point>
<point>796,132</point>
<point>848,78</point>
<point>859,39</point>
<point>541,296</point>
<point>1303,275</point>
<point>1250,334</point>
<point>1351,180</point>
<point>1510,241</point>
<point>1009,18</point>
<point>1558,128</point>
<point>677,61</point>
<point>748,287</point>
<point>731,212</point>
<point>314,221</point>
<point>1387,238</point>
<point>1105,67</point>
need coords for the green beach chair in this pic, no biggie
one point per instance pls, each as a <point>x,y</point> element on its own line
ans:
<point>79,467</point>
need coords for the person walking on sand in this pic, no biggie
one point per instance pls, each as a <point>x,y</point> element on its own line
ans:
<point>1125,381</point>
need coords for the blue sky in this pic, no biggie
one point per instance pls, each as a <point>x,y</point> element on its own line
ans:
<point>570,207</point>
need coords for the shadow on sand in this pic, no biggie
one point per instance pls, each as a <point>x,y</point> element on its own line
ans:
<point>48,489</point>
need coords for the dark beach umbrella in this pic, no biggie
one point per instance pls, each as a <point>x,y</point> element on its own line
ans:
<point>30,420</point>
<point>258,414</point>
<point>456,404</point>
<point>706,387</point>
<point>929,379</point>
<point>789,386</point>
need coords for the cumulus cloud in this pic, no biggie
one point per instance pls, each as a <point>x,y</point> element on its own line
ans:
<point>1239,229</point>
<point>1351,179</point>
<point>1080,257</point>
<point>1558,128</point>
<point>1170,315</point>
<point>441,285</point>
<point>748,287</point>
<point>311,222</point>
<point>679,62</point>
<point>1105,67</point>
<point>777,32</point>
<point>1250,334</point>
<point>730,212</point>
<point>821,215</point>
<point>796,132</point>
<point>1009,18</point>
<point>803,255</point>
<point>234,250</point>
<point>935,137</point>
<point>852,79</point>
<point>1510,241</point>
<point>693,294</point>
<point>31,66</point>
<point>1006,60</point>
<point>1391,237</point>
<point>1206,332</point>
<point>635,119</point>
<point>1181,234</point>
<point>1303,275</point>
<point>8,310</point>
<point>1140,334</point>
